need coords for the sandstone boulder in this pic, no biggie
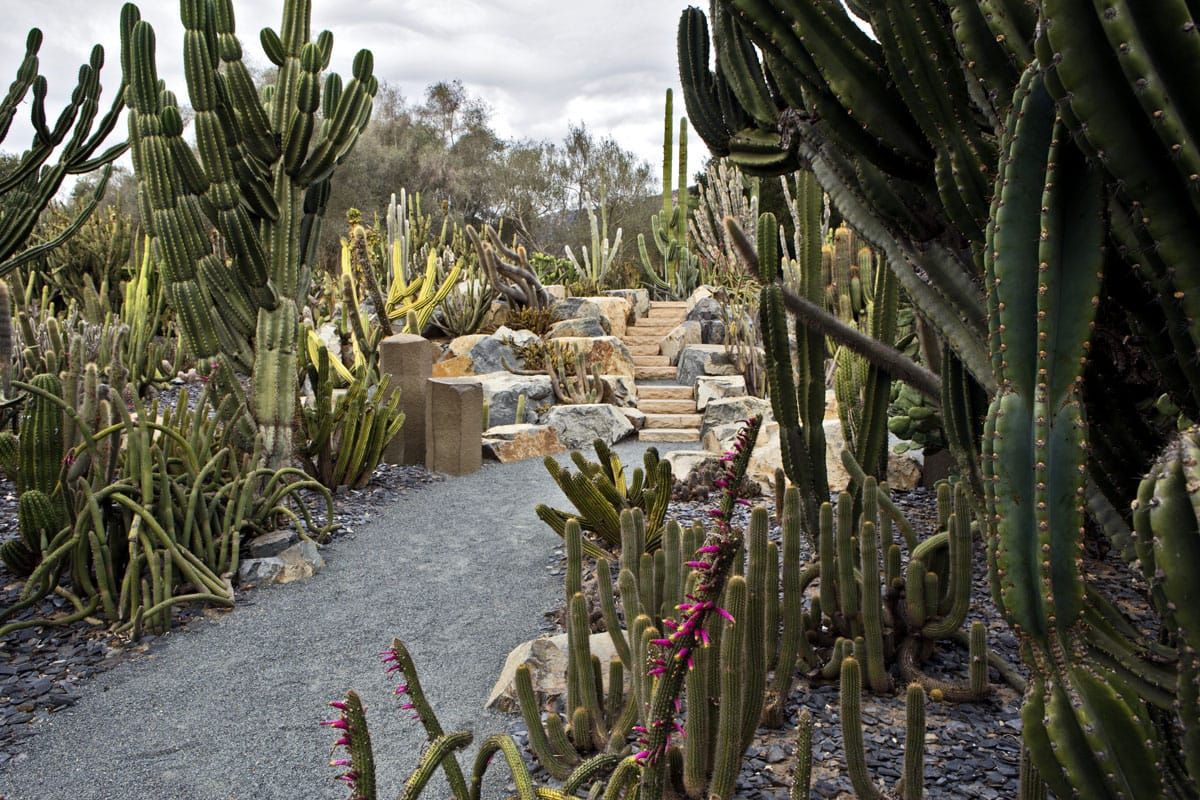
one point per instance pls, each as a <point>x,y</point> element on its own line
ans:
<point>703,359</point>
<point>608,353</point>
<point>683,335</point>
<point>501,391</point>
<point>547,660</point>
<point>508,443</point>
<point>639,301</point>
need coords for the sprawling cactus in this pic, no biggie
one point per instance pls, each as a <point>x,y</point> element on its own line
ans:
<point>259,176</point>
<point>508,271</point>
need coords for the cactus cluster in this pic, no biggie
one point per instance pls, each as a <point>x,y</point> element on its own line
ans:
<point>1028,172</point>
<point>679,273</point>
<point>602,490</point>
<point>139,509</point>
<point>594,265</point>
<point>345,432</point>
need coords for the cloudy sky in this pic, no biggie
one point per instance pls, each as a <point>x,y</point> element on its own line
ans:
<point>539,64</point>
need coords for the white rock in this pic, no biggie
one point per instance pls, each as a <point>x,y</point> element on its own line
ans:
<point>699,294</point>
<point>703,359</point>
<point>714,387</point>
<point>732,410</point>
<point>547,660</point>
<point>682,335</point>
<point>684,461</point>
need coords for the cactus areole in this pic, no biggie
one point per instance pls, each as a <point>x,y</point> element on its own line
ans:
<point>234,222</point>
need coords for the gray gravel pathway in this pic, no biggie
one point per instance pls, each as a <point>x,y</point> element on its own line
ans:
<point>228,710</point>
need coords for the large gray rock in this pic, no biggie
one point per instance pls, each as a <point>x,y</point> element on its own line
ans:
<point>703,359</point>
<point>272,543</point>
<point>579,426</point>
<point>682,335</point>
<point>580,326</point>
<point>683,462</point>
<point>707,312</point>
<point>301,560</point>
<point>639,301</point>
<point>731,411</point>
<point>614,309</point>
<point>492,353</point>
<point>547,660</point>
<point>714,387</point>
<point>501,391</point>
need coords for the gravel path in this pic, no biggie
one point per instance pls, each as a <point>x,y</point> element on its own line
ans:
<point>229,709</point>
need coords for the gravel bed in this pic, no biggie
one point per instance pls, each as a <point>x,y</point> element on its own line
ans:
<point>972,750</point>
<point>44,670</point>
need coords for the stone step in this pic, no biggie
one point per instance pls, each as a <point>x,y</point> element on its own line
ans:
<point>668,304</point>
<point>666,393</point>
<point>654,373</point>
<point>635,340</point>
<point>669,435</point>
<point>665,315</point>
<point>649,330</point>
<point>649,349</point>
<point>680,406</point>
<point>651,361</point>
<point>677,421</point>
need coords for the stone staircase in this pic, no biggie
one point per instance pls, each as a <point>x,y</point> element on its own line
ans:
<point>670,409</point>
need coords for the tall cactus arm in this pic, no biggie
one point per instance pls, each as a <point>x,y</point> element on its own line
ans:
<point>812,315</point>
<point>30,185</point>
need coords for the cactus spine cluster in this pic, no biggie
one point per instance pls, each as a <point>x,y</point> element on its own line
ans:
<point>260,175</point>
<point>601,491</point>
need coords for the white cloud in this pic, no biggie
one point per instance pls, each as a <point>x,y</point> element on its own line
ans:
<point>539,64</point>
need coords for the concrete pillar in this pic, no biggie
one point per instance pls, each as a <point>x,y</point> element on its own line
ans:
<point>453,425</point>
<point>408,361</point>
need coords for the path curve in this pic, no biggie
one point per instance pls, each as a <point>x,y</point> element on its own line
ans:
<point>228,710</point>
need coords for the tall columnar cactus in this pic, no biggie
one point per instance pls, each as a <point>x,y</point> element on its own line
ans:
<point>29,187</point>
<point>260,176</point>
<point>797,399</point>
<point>863,294</point>
<point>1094,683</point>
<point>595,263</point>
<point>679,273</point>
<point>726,192</point>
<point>912,781</point>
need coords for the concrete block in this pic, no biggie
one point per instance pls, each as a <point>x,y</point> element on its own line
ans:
<point>408,360</point>
<point>453,425</point>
